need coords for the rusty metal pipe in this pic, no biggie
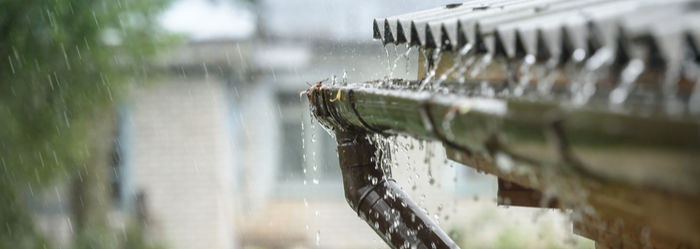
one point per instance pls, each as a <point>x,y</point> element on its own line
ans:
<point>377,199</point>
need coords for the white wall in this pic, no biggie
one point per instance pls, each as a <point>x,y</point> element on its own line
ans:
<point>179,155</point>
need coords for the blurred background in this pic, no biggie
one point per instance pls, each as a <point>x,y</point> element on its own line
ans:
<point>179,124</point>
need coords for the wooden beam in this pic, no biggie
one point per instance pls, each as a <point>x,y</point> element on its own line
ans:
<point>639,211</point>
<point>513,194</point>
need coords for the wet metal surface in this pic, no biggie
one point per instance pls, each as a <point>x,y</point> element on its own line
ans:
<point>548,28</point>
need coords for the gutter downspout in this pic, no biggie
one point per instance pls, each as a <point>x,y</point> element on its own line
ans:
<point>370,190</point>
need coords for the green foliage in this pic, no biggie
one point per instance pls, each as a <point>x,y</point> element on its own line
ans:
<point>16,232</point>
<point>510,237</point>
<point>131,238</point>
<point>95,239</point>
<point>62,62</point>
<point>491,228</point>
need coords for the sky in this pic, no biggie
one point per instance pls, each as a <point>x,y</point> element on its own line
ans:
<point>296,19</point>
<point>207,20</point>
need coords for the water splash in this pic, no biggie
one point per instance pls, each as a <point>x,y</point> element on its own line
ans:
<point>436,55</point>
<point>546,75</point>
<point>484,60</point>
<point>628,77</point>
<point>393,66</point>
<point>458,63</point>
<point>584,85</point>
<point>345,77</point>
<point>388,59</point>
<point>525,75</point>
<point>315,178</point>
<point>464,68</point>
<point>407,58</point>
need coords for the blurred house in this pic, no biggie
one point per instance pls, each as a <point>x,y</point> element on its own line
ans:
<point>225,154</point>
<point>223,151</point>
<point>218,152</point>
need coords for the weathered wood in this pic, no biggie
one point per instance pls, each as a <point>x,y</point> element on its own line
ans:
<point>672,216</point>
<point>510,193</point>
<point>618,233</point>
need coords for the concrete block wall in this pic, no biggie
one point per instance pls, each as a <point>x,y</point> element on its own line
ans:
<point>179,156</point>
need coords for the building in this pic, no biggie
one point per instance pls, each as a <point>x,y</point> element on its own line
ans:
<point>221,152</point>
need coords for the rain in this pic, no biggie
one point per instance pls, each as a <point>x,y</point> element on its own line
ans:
<point>225,124</point>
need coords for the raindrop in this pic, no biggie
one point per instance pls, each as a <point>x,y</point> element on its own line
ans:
<point>31,190</point>
<point>436,56</point>
<point>504,162</point>
<point>407,58</point>
<point>388,58</point>
<point>629,76</point>
<point>70,224</point>
<point>525,75</point>
<point>578,55</point>
<point>12,66</point>
<point>345,77</point>
<point>58,195</point>
<point>65,57</point>
<point>318,238</point>
<point>458,63</point>
<point>484,61</point>
<point>396,62</point>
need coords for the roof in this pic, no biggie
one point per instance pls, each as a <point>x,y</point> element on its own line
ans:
<point>549,28</point>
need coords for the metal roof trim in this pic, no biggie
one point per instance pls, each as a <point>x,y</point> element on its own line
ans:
<point>548,29</point>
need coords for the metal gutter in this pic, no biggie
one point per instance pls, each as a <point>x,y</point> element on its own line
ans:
<point>587,156</point>
<point>377,199</point>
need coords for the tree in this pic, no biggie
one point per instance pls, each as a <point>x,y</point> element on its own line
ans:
<point>63,65</point>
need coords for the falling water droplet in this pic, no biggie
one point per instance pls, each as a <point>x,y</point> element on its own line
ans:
<point>345,77</point>
<point>504,162</point>
<point>431,71</point>
<point>318,238</point>
<point>629,76</point>
<point>458,63</point>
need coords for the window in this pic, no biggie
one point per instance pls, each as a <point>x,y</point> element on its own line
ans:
<point>299,150</point>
